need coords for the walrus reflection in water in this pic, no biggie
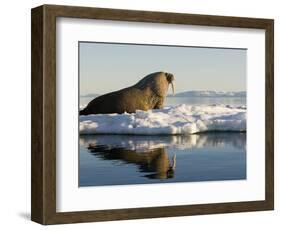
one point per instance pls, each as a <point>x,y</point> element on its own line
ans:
<point>155,161</point>
<point>149,93</point>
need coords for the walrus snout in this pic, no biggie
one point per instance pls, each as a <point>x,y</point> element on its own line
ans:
<point>170,78</point>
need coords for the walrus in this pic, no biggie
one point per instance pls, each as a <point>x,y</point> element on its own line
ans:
<point>149,93</point>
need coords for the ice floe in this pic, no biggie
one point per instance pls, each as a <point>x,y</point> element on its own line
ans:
<point>181,119</point>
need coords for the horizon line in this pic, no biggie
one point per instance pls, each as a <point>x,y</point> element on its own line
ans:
<point>225,91</point>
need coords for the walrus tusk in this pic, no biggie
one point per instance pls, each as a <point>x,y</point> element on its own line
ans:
<point>174,162</point>
<point>173,88</point>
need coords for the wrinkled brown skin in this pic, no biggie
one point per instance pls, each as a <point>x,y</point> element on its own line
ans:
<point>148,93</point>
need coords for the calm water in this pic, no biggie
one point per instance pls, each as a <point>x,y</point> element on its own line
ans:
<point>127,159</point>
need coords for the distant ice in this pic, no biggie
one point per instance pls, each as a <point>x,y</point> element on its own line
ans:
<point>181,119</point>
<point>211,93</point>
<point>195,93</point>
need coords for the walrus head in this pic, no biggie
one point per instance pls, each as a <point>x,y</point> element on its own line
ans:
<point>158,83</point>
<point>170,78</point>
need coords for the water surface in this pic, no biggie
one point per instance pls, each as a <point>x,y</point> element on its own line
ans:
<point>128,159</point>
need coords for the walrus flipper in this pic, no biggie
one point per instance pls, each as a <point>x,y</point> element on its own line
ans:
<point>82,112</point>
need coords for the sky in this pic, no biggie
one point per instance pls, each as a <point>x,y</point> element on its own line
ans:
<point>106,67</point>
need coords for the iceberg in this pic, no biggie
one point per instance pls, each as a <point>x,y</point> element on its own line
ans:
<point>176,120</point>
<point>211,93</point>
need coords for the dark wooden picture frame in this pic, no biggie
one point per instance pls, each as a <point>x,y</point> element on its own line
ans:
<point>43,170</point>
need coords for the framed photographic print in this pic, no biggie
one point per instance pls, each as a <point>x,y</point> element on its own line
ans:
<point>140,114</point>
